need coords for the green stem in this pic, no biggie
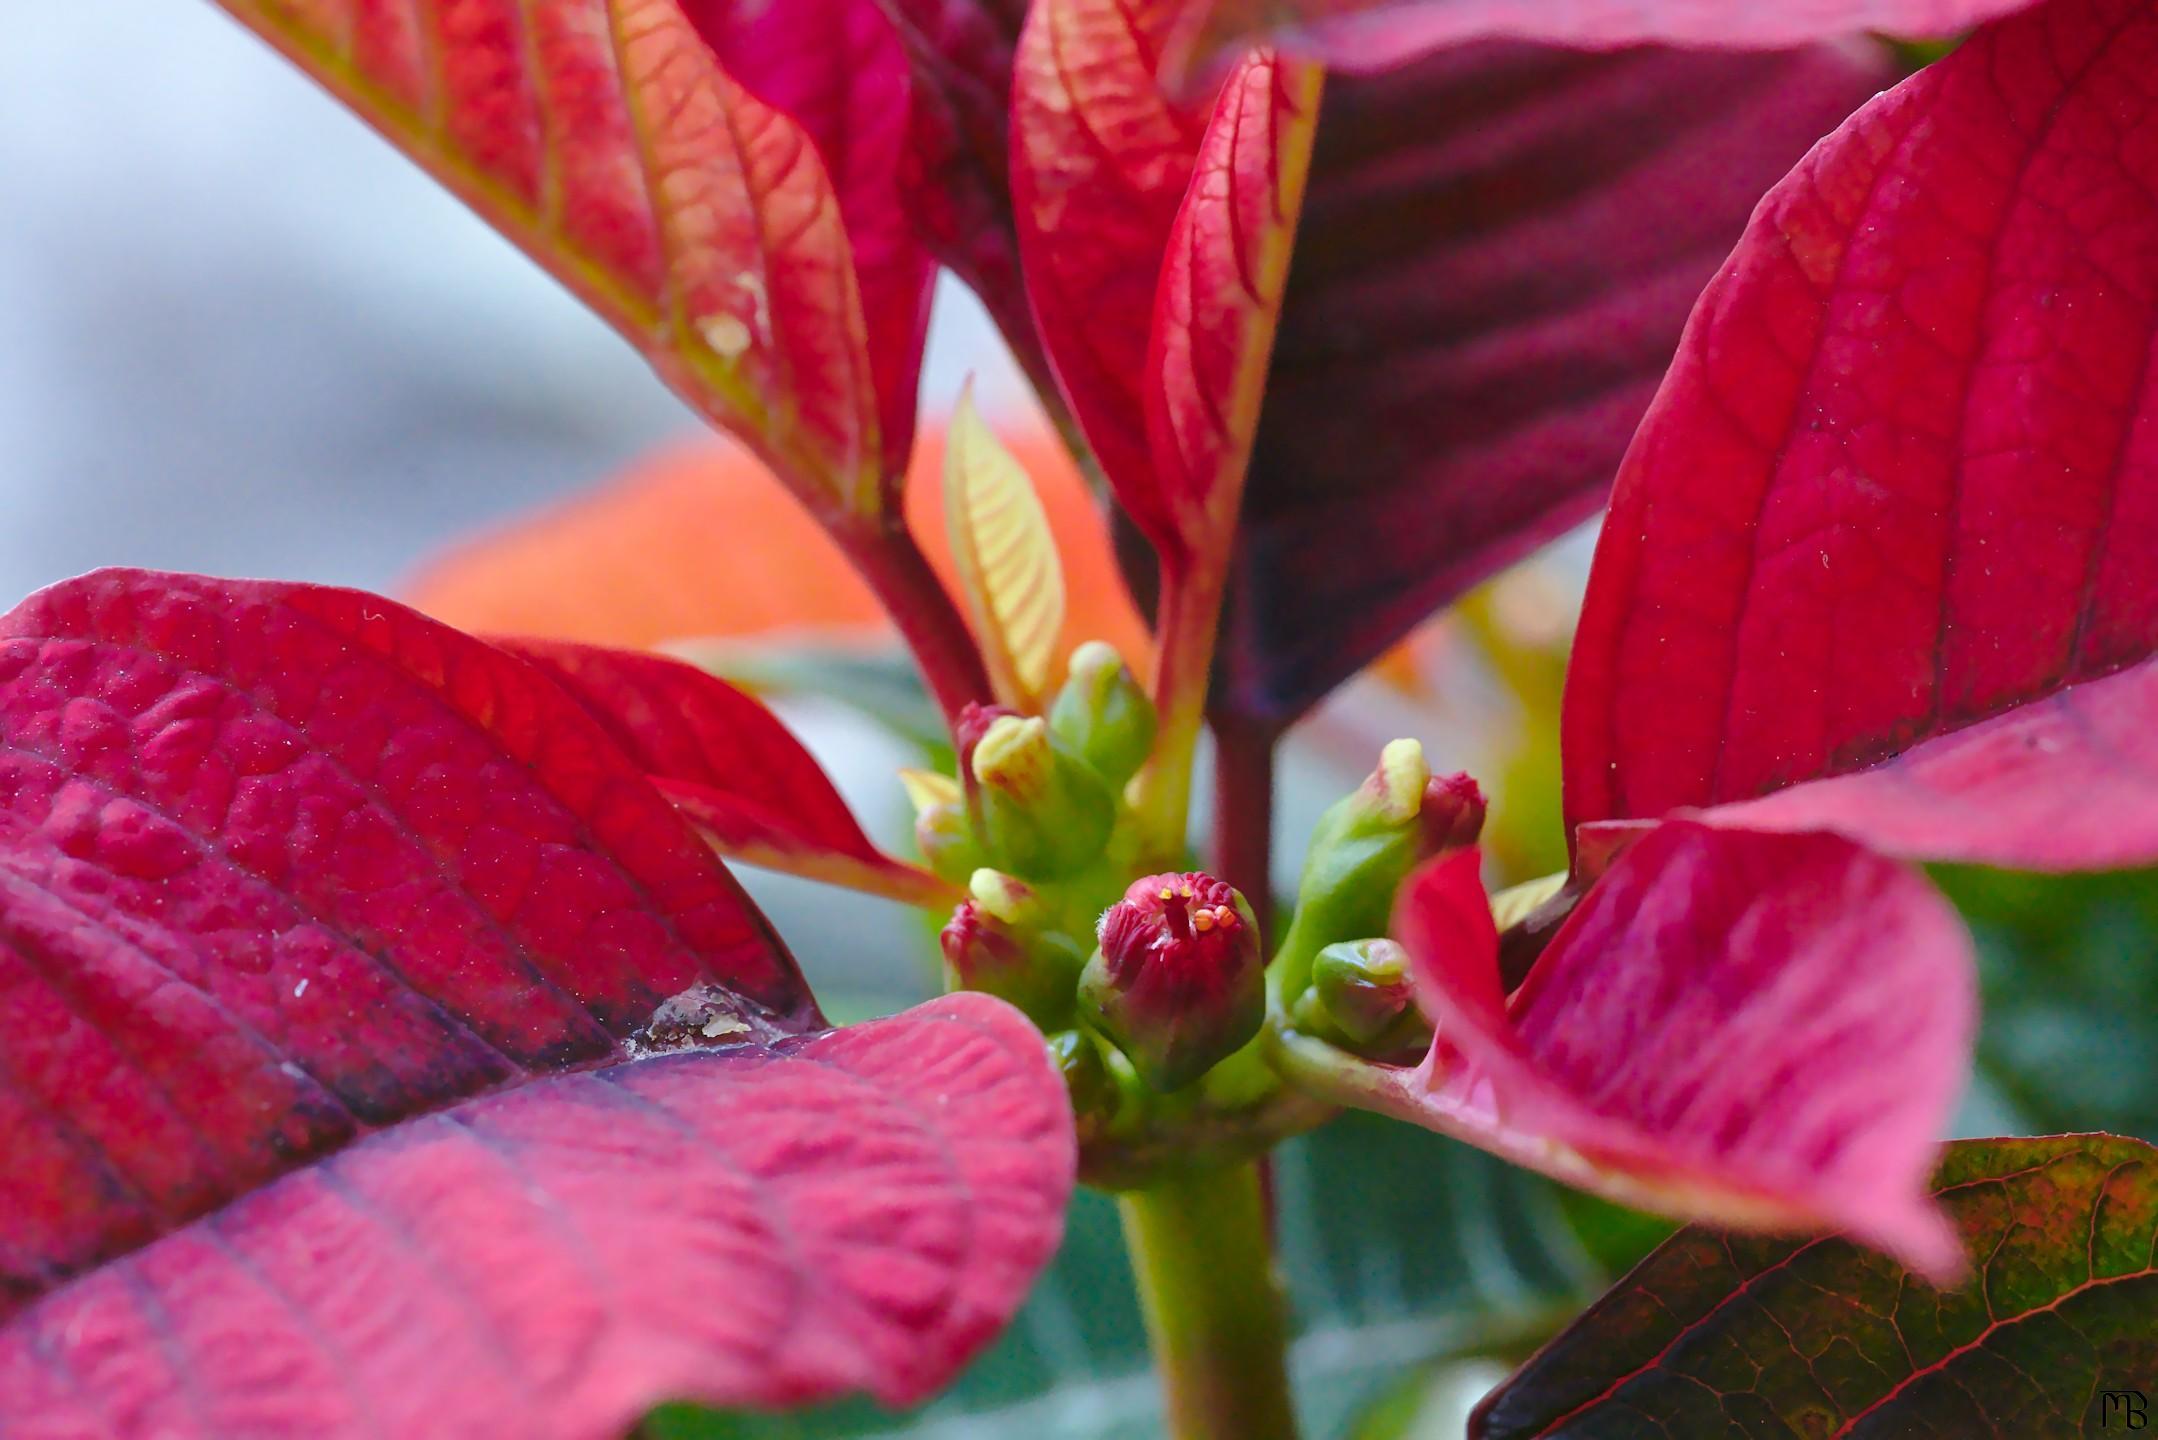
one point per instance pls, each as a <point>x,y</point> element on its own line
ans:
<point>1214,1310</point>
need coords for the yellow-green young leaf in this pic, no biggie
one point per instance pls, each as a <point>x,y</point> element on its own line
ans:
<point>1006,555</point>
<point>604,137</point>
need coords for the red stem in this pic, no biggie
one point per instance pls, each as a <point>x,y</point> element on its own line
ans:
<point>1241,847</point>
<point>889,559</point>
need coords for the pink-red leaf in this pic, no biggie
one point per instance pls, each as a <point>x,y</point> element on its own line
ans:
<point>2069,782</point>
<point>1372,34</point>
<point>1901,478</point>
<point>1764,1031</point>
<point>730,764</point>
<point>837,70</point>
<point>1498,250</point>
<point>752,1226</point>
<point>280,865</point>
<point>358,937</point>
<point>606,140</point>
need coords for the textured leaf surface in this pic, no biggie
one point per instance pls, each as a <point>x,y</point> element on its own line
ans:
<point>1760,1030</point>
<point>696,541</point>
<point>1451,1249</point>
<point>1216,305</point>
<point>1902,475</point>
<point>1366,34</point>
<point>837,70</point>
<point>730,765</point>
<point>858,1210</point>
<point>280,865</point>
<point>604,138</point>
<point>2069,782</point>
<point>1006,555</point>
<point>1498,251</point>
<point>1716,1335</point>
<point>1101,157</point>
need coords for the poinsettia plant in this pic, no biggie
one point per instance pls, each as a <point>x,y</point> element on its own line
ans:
<point>388,1050</point>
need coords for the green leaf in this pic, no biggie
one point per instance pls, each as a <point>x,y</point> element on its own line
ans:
<point>1398,1248</point>
<point>1721,1335</point>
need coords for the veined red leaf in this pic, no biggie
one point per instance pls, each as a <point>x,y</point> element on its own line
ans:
<point>731,766</point>
<point>1715,1333</point>
<point>1499,248</point>
<point>305,895</point>
<point>750,1226</point>
<point>1762,1031</point>
<point>604,138</point>
<point>1374,34</point>
<point>1902,476</point>
<point>2069,782</point>
<point>1100,160</point>
<point>1215,307</point>
<point>837,70</point>
<point>283,864</point>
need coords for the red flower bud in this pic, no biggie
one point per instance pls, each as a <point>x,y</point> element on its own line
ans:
<point>1031,969</point>
<point>1178,983</point>
<point>1452,814</point>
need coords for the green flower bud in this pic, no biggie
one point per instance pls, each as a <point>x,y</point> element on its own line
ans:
<point>1039,808</point>
<point>941,827</point>
<point>1365,846</point>
<point>1360,999</point>
<point>1032,969</point>
<point>1103,714</point>
<point>1178,983</point>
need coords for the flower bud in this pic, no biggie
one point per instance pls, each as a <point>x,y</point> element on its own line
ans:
<point>1008,898</point>
<point>1033,970</point>
<point>1366,845</point>
<point>941,827</point>
<point>1103,713</point>
<point>1178,982</point>
<point>1360,997</point>
<point>1039,808</point>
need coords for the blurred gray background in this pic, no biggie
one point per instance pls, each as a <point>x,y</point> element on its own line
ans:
<point>240,334</point>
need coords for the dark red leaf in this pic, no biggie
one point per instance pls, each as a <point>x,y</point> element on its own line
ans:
<point>1902,476</point>
<point>730,765</point>
<point>836,69</point>
<point>1498,250</point>
<point>750,1226</point>
<point>1763,1031</point>
<point>1370,34</point>
<point>284,869</point>
<point>1723,1335</point>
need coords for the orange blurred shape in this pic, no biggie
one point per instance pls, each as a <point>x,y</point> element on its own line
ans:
<point>697,539</point>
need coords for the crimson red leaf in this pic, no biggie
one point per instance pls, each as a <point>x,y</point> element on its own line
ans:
<point>1901,478</point>
<point>730,765</point>
<point>1722,1335</point>
<point>1101,157</point>
<point>837,70</point>
<point>751,1226</point>
<point>284,869</point>
<point>283,864</point>
<point>2069,782</point>
<point>604,138</point>
<point>1765,1031</point>
<point>1371,34</point>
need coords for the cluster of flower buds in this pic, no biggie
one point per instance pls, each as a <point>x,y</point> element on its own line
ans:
<point>1364,847</point>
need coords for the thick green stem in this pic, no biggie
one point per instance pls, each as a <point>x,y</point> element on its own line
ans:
<point>1214,1310</point>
